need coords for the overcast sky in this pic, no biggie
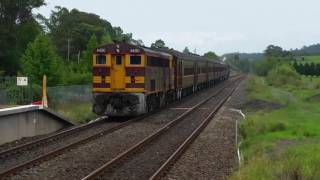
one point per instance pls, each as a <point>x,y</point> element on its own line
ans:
<point>219,25</point>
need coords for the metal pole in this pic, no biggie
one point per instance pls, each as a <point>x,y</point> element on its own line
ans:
<point>68,49</point>
<point>79,57</point>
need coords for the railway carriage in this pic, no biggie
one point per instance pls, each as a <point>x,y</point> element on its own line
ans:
<point>131,80</point>
<point>193,72</point>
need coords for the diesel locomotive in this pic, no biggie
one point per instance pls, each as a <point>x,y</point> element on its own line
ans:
<point>130,80</point>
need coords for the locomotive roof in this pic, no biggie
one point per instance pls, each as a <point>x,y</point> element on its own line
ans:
<point>125,48</point>
<point>186,56</point>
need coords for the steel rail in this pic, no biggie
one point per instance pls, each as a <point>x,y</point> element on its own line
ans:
<point>150,138</point>
<point>48,139</point>
<point>56,152</point>
<point>13,170</point>
<point>183,147</point>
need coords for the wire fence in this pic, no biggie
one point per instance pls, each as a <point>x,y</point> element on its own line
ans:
<point>73,102</point>
<point>13,94</point>
<point>69,94</point>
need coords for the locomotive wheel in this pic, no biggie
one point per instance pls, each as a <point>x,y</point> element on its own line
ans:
<point>153,103</point>
<point>98,109</point>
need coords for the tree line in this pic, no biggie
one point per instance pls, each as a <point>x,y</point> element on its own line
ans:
<point>273,56</point>
<point>307,69</point>
<point>59,46</point>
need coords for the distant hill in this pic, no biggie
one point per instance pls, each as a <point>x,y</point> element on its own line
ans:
<point>244,56</point>
<point>308,50</point>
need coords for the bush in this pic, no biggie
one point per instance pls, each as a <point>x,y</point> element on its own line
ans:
<point>277,126</point>
<point>283,75</point>
<point>263,66</point>
<point>297,162</point>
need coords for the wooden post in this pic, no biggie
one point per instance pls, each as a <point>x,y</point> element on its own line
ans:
<point>44,92</point>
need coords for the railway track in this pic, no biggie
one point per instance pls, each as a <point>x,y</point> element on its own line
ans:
<point>152,156</point>
<point>46,157</point>
<point>48,139</point>
<point>12,164</point>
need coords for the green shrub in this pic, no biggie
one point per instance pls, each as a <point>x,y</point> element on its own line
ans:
<point>283,75</point>
<point>297,162</point>
<point>263,66</point>
<point>77,112</point>
<point>277,126</point>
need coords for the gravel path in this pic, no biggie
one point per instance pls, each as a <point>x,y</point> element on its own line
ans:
<point>83,159</point>
<point>213,154</point>
<point>35,151</point>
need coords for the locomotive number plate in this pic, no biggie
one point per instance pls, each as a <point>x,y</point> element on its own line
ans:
<point>134,50</point>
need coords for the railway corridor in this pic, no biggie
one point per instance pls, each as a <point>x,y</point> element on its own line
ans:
<point>86,158</point>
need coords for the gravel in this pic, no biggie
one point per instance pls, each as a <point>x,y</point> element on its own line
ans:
<point>85,158</point>
<point>21,141</point>
<point>213,155</point>
<point>145,162</point>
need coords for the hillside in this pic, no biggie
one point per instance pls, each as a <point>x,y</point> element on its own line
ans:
<point>308,50</point>
<point>244,56</point>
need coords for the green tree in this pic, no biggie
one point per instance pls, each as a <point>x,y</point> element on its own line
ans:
<point>307,69</point>
<point>283,75</point>
<point>120,36</point>
<point>138,42</point>
<point>159,44</point>
<point>211,55</point>
<point>73,29</point>
<point>318,69</point>
<point>106,39</point>
<point>296,66</point>
<point>186,50</point>
<point>263,66</point>
<point>312,69</point>
<point>40,59</point>
<point>92,44</point>
<point>273,51</point>
<point>276,51</point>
<point>302,68</point>
<point>17,29</point>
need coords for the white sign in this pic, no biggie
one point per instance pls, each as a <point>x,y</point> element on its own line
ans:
<point>22,81</point>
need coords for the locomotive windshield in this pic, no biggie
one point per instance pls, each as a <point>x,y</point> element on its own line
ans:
<point>101,59</point>
<point>135,60</point>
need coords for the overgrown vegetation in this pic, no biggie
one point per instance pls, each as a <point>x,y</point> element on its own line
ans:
<point>283,75</point>
<point>282,143</point>
<point>76,112</point>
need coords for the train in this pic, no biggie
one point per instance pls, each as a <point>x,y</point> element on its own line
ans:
<point>131,80</point>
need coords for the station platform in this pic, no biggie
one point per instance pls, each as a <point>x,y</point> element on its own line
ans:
<point>28,121</point>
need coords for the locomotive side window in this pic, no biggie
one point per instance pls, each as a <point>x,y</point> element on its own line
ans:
<point>101,59</point>
<point>157,62</point>
<point>135,60</point>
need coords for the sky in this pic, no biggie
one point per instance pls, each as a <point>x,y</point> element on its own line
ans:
<point>222,26</point>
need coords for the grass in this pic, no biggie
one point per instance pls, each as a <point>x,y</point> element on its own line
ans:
<point>314,59</point>
<point>282,143</point>
<point>76,112</point>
